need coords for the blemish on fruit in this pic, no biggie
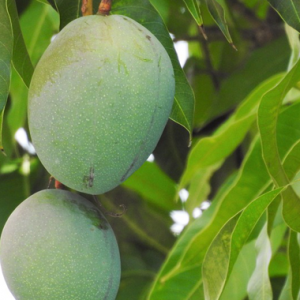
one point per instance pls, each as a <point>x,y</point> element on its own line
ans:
<point>148,37</point>
<point>89,179</point>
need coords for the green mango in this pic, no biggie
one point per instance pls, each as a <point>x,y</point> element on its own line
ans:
<point>58,245</point>
<point>99,100</point>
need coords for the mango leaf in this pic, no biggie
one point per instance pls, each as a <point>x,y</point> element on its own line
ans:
<point>11,196</point>
<point>218,14</point>
<point>184,263</point>
<point>68,10</point>
<point>199,187</point>
<point>236,287</point>
<point>236,232</point>
<point>235,88</point>
<point>267,121</point>
<point>289,11</point>
<point>6,51</point>
<point>154,185</point>
<point>194,9</point>
<point>294,261</point>
<point>286,290</point>
<point>211,150</point>
<point>39,22</point>
<point>293,38</point>
<point>21,60</point>
<point>259,286</point>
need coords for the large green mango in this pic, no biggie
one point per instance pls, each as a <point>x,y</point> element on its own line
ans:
<point>57,245</point>
<point>99,100</point>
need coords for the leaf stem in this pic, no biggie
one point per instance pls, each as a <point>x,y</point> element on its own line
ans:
<point>104,7</point>
<point>87,7</point>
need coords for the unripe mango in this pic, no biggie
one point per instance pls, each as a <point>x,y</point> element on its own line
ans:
<point>57,245</point>
<point>99,100</point>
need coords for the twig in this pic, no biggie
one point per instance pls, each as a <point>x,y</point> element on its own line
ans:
<point>87,7</point>
<point>209,64</point>
<point>104,7</point>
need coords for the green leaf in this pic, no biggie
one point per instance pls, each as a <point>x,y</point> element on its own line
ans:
<point>293,38</point>
<point>259,286</point>
<point>236,287</point>
<point>218,14</point>
<point>154,185</point>
<point>267,122</point>
<point>289,11</point>
<point>286,291</point>
<point>185,259</point>
<point>211,150</point>
<point>294,261</point>
<point>6,50</point>
<point>39,23</point>
<point>194,9</point>
<point>235,88</point>
<point>183,265</point>
<point>144,13</point>
<point>11,196</point>
<point>236,232</point>
<point>68,10</point>
<point>21,60</point>
<point>199,187</point>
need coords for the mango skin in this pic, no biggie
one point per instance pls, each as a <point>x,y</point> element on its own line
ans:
<point>99,100</point>
<point>57,245</point>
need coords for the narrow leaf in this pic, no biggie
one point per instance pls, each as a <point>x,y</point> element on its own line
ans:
<point>183,265</point>
<point>6,51</point>
<point>211,150</point>
<point>215,275</point>
<point>185,260</point>
<point>259,286</point>
<point>154,185</point>
<point>294,261</point>
<point>21,60</point>
<point>218,14</point>
<point>267,122</point>
<point>216,260</point>
<point>194,9</point>
<point>289,11</point>
<point>68,10</point>
<point>293,38</point>
<point>236,287</point>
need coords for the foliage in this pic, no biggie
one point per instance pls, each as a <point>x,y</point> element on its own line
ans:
<point>240,111</point>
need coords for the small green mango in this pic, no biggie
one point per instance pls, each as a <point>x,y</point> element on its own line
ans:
<point>57,245</point>
<point>99,100</point>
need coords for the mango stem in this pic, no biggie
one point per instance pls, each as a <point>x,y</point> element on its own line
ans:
<point>104,7</point>
<point>87,7</point>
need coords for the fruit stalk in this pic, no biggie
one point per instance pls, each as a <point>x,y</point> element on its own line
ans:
<point>104,7</point>
<point>87,7</point>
